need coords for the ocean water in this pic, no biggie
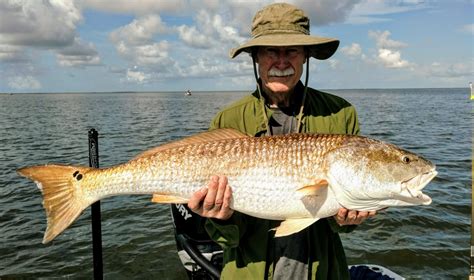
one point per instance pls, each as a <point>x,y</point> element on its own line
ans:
<point>423,242</point>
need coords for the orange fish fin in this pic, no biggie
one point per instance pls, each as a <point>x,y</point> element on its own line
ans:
<point>290,226</point>
<point>62,201</point>
<point>162,198</point>
<point>213,135</point>
<point>315,189</point>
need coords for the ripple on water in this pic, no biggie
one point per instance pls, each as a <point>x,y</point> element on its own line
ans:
<point>424,242</point>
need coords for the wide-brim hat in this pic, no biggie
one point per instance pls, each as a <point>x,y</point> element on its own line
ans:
<point>281,25</point>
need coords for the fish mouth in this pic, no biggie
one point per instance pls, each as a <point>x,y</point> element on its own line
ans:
<point>411,189</point>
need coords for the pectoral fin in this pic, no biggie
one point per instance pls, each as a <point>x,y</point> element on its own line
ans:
<point>317,188</point>
<point>291,226</point>
<point>160,198</point>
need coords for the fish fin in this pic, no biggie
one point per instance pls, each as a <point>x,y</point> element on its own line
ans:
<point>213,135</point>
<point>315,189</point>
<point>62,199</point>
<point>291,226</point>
<point>162,198</point>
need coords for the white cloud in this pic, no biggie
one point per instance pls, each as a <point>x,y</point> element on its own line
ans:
<point>136,42</point>
<point>392,59</point>
<point>352,51</point>
<point>30,30</point>
<point>23,82</point>
<point>140,8</point>
<point>139,31</point>
<point>468,28</point>
<point>209,30</point>
<point>193,37</point>
<point>38,23</point>
<point>12,54</point>
<point>78,55</point>
<point>155,53</point>
<point>388,52</point>
<point>450,71</point>
<point>333,63</point>
<point>204,38</point>
<point>324,12</point>
<point>137,76</point>
<point>370,11</point>
<point>382,40</point>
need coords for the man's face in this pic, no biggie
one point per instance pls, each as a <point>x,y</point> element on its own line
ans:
<point>280,68</point>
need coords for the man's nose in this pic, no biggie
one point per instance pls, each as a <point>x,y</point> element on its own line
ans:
<point>282,57</point>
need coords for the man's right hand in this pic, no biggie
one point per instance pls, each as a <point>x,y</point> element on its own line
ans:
<point>213,201</point>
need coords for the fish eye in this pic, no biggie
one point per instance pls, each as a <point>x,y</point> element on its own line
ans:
<point>406,159</point>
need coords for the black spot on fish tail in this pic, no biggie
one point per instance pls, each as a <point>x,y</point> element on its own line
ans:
<point>75,174</point>
<point>79,177</point>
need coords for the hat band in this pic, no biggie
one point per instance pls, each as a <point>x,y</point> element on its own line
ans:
<point>279,29</point>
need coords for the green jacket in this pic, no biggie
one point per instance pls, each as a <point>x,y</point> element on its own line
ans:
<point>246,240</point>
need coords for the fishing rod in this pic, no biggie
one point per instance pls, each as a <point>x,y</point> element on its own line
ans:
<point>471,275</point>
<point>95,209</point>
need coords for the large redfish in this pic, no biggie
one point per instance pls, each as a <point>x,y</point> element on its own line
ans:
<point>297,178</point>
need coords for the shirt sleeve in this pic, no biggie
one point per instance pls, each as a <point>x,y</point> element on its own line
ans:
<point>352,121</point>
<point>227,233</point>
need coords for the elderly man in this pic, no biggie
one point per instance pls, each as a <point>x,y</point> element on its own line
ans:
<point>280,46</point>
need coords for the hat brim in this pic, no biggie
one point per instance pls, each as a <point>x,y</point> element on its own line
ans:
<point>319,47</point>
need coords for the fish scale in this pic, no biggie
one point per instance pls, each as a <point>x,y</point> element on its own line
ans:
<point>297,178</point>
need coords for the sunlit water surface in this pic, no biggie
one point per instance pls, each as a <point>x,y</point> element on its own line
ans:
<point>429,242</point>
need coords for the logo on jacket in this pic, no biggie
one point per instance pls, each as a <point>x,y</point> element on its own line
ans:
<point>183,211</point>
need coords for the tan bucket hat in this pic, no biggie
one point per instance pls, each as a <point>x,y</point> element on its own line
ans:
<point>283,24</point>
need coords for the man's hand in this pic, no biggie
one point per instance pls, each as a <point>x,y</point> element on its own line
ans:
<point>213,201</point>
<point>352,217</point>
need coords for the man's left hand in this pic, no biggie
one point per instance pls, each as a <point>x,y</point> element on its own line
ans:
<point>352,217</point>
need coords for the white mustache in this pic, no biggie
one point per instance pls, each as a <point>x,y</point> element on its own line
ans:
<point>273,72</point>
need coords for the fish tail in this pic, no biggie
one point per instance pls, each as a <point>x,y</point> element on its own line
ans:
<point>63,200</point>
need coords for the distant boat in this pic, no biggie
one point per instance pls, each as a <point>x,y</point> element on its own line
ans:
<point>472,91</point>
<point>188,93</point>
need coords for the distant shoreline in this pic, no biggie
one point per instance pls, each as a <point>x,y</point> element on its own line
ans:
<point>223,91</point>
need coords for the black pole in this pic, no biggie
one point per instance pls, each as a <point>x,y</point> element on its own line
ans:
<point>95,208</point>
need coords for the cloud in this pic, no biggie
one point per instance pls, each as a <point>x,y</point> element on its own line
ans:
<point>139,8</point>
<point>468,28</point>
<point>388,52</point>
<point>333,63</point>
<point>382,40</point>
<point>325,12</point>
<point>38,23</point>
<point>135,42</point>
<point>372,11</point>
<point>392,59</point>
<point>454,70</point>
<point>12,54</point>
<point>352,51</point>
<point>209,30</point>
<point>139,31</point>
<point>23,82</point>
<point>136,76</point>
<point>191,36</point>
<point>39,27</point>
<point>200,56</point>
<point>78,55</point>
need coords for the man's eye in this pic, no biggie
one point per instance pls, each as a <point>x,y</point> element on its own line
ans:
<point>292,51</point>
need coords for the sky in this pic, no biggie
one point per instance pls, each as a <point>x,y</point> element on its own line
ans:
<point>157,45</point>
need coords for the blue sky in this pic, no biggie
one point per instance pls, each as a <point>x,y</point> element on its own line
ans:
<point>150,45</point>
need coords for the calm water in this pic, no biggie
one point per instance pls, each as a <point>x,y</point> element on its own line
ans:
<point>428,242</point>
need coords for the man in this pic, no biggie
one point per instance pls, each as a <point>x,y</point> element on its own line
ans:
<point>280,46</point>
